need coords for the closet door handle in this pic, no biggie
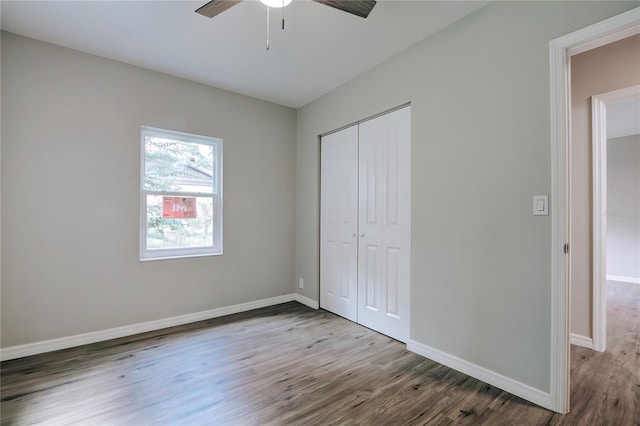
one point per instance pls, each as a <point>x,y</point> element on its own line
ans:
<point>354,235</point>
<point>362,235</point>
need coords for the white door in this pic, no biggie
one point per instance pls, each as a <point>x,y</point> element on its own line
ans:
<point>339,223</point>
<point>384,223</point>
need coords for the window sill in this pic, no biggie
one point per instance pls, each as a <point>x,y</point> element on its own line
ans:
<point>178,256</point>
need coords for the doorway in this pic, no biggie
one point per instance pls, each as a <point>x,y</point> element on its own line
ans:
<point>561,50</point>
<point>615,120</point>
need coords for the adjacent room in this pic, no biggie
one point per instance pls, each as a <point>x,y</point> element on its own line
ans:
<point>605,296</point>
<point>314,212</point>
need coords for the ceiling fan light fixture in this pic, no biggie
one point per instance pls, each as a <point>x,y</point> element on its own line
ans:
<point>276,3</point>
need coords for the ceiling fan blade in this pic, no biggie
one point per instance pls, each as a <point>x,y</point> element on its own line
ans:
<point>360,8</point>
<point>216,7</point>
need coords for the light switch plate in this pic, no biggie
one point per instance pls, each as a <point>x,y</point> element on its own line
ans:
<point>541,205</point>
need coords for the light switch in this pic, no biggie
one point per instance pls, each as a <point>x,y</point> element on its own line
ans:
<point>540,205</point>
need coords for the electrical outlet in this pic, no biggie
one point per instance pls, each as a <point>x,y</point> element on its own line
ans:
<point>300,283</point>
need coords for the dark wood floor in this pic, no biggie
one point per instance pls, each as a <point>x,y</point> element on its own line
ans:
<point>292,365</point>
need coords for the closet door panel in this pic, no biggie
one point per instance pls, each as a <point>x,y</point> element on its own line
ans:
<point>385,194</point>
<point>370,270</point>
<point>338,223</point>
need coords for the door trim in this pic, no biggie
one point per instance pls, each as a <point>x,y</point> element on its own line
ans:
<point>599,156</point>
<point>560,51</point>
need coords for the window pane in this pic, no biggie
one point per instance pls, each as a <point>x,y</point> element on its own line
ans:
<point>177,166</point>
<point>179,222</point>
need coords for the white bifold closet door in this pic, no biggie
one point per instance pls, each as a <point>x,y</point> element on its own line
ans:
<point>339,223</point>
<point>372,216</point>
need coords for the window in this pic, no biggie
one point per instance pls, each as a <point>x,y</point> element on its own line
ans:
<point>181,195</point>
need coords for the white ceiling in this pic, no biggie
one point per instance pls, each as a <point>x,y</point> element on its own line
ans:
<point>320,49</point>
<point>623,118</point>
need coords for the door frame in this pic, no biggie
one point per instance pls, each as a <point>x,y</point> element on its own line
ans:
<point>599,164</point>
<point>560,51</point>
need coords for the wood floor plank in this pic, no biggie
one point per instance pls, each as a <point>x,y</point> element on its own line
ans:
<point>291,365</point>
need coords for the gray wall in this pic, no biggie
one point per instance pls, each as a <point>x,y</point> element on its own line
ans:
<point>623,206</point>
<point>610,67</point>
<point>481,263</point>
<point>70,192</point>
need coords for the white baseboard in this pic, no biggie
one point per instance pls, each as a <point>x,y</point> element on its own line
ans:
<point>520,389</point>
<point>580,340</point>
<point>306,301</point>
<point>128,330</point>
<point>624,279</point>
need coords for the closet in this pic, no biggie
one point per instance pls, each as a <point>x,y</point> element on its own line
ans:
<point>365,214</point>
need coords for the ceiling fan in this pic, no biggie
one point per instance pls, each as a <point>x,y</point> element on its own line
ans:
<point>360,8</point>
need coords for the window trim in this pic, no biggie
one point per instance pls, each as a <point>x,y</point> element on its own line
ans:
<point>216,249</point>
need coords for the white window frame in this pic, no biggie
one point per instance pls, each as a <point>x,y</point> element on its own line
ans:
<point>216,196</point>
